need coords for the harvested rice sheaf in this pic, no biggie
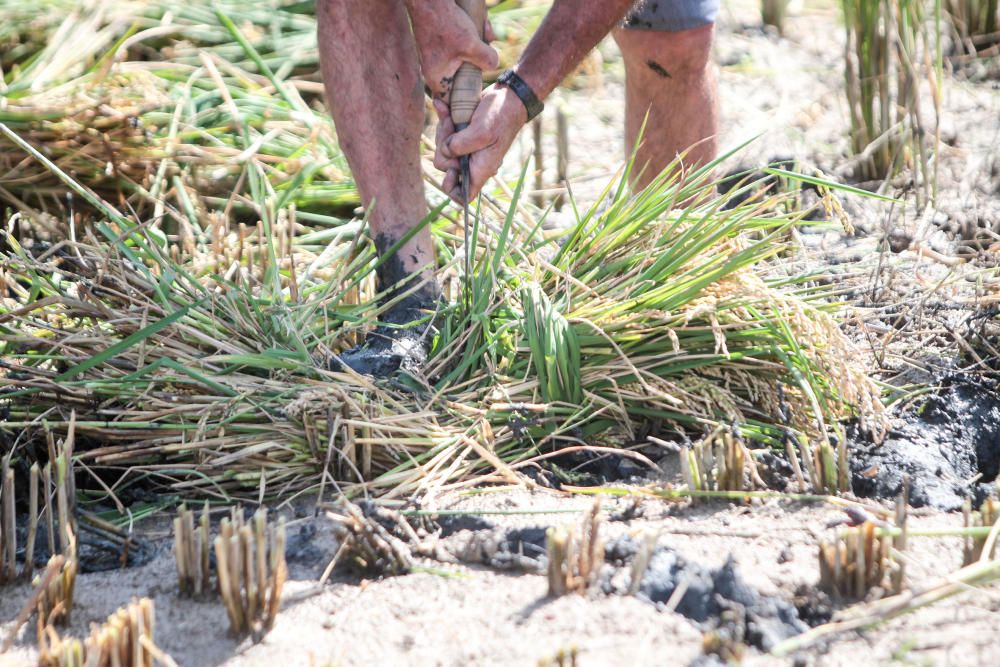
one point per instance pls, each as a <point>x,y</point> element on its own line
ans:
<point>151,102</point>
<point>645,315</point>
<point>189,312</point>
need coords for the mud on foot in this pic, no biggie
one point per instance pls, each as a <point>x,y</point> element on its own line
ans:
<point>395,345</point>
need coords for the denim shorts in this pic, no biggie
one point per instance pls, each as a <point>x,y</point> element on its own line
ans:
<point>672,15</point>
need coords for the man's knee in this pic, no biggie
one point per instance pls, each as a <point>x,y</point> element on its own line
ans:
<point>671,37</point>
<point>676,55</point>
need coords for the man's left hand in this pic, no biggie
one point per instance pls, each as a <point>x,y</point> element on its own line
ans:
<point>494,125</point>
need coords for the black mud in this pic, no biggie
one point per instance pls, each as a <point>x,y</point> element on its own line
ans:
<point>587,468</point>
<point>384,352</point>
<point>949,446</point>
<point>96,551</point>
<point>517,550</point>
<point>714,599</point>
<point>398,344</point>
<point>750,180</point>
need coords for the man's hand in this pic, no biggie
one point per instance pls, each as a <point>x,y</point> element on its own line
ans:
<point>497,120</point>
<point>446,38</point>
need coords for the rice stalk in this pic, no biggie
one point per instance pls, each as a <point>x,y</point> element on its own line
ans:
<point>54,588</point>
<point>369,543</point>
<point>8,534</point>
<point>191,552</point>
<point>900,541</point>
<point>45,578</point>
<point>55,599</point>
<point>976,24</point>
<point>984,546</point>
<point>720,462</point>
<point>887,62</point>
<point>125,639</point>
<point>565,657</point>
<point>8,525</point>
<point>574,556</point>
<point>647,312</point>
<point>864,558</point>
<point>856,562</point>
<point>158,106</point>
<point>871,615</point>
<point>250,561</point>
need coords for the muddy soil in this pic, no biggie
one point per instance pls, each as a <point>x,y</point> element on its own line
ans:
<point>948,447</point>
<point>755,564</point>
<point>750,570</point>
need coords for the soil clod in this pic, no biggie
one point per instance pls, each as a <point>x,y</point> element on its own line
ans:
<point>396,345</point>
<point>708,597</point>
<point>949,446</point>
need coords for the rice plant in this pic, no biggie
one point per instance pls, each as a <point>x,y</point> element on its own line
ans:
<point>125,639</point>
<point>574,556</point>
<point>250,564</point>
<point>976,23</point>
<point>155,104</point>
<point>888,60</point>
<point>191,552</point>
<point>638,314</point>
<point>644,313</point>
<point>197,353</point>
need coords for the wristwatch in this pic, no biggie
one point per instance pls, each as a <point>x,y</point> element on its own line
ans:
<point>527,96</point>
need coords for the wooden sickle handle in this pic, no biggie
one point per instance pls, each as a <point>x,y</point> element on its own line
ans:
<point>468,84</point>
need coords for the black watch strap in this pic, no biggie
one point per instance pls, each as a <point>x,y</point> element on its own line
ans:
<point>531,102</point>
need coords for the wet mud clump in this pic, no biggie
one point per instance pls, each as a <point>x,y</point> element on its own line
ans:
<point>96,550</point>
<point>398,343</point>
<point>385,351</point>
<point>711,598</point>
<point>585,468</point>
<point>949,447</point>
<point>517,550</point>
<point>715,599</point>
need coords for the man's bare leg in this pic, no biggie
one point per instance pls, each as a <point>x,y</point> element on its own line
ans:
<point>670,76</point>
<point>375,92</point>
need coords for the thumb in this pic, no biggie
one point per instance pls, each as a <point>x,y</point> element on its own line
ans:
<point>483,56</point>
<point>468,141</point>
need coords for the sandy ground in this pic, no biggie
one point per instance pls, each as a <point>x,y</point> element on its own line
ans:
<point>461,615</point>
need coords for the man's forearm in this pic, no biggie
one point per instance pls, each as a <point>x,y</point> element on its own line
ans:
<point>570,30</point>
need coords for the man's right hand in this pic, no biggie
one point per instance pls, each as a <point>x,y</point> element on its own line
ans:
<point>446,38</point>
